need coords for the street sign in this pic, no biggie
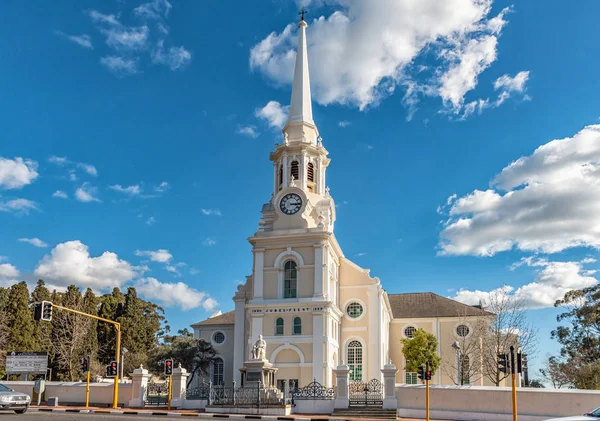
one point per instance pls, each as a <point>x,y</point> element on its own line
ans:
<point>26,362</point>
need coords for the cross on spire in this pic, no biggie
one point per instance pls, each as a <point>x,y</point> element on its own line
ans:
<point>302,12</point>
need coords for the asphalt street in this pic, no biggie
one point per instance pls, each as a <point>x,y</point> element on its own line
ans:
<point>58,416</point>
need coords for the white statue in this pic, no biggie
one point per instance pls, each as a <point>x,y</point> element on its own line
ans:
<point>259,349</point>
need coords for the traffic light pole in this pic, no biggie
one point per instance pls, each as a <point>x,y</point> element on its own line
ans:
<point>117,326</point>
<point>513,370</point>
<point>427,392</point>
<point>87,390</point>
<point>170,390</point>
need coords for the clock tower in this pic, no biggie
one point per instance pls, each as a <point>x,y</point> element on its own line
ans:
<point>291,298</point>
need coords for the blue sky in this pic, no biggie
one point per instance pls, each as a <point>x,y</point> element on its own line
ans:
<point>135,140</point>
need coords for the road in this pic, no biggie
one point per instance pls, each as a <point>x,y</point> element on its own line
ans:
<point>65,416</point>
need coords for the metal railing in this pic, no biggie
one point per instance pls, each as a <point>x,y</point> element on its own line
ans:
<point>314,391</point>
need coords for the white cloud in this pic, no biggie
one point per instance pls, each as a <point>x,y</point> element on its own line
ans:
<point>512,84</point>
<point>71,263</point>
<point>16,173</point>
<point>208,241</point>
<point>174,57</point>
<point>359,54</point>
<point>120,66</point>
<point>18,206</point>
<point>34,242</point>
<point>248,131</point>
<point>215,212</point>
<point>134,190</point>
<point>150,221</point>
<point>344,123</point>
<point>98,17</point>
<point>60,194</point>
<point>548,201</point>
<point>162,187</point>
<point>274,113</point>
<point>161,255</point>
<point>8,271</point>
<point>156,9</point>
<point>86,193</point>
<point>550,284</point>
<point>81,40</point>
<point>90,169</point>
<point>58,160</point>
<point>174,294</point>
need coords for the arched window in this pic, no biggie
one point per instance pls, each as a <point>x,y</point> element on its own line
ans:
<point>295,170</point>
<point>279,326</point>
<point>290,278</point>
<point>355,356</point>
<point>280,177</point>
<point>310,172</point>
<point>217,375</point>
<point>465,377</point>
<point>297,326</point>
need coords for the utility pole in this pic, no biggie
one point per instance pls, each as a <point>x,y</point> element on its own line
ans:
<point>513,369</point>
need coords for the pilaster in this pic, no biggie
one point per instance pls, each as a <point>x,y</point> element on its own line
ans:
<point>285,170</point>
<point>257,328</point>
<point>259,272</point>
<point>318,348</point>
<point>389,386</point>
<point>319,269</point>
<point>179,379</point>
<point>342,388</point>
<point>238,337</point>
<point>139,384</point>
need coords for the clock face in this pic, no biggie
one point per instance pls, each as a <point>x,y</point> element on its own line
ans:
<point>290,203</point>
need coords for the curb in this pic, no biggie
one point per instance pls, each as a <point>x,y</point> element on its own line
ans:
<point>179,414</point>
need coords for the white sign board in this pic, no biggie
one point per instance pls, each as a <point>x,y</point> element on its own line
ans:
<point>26,362</point>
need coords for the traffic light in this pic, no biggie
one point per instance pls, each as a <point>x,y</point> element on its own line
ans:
<point>521,362</point>
<point>46,311</point>
<point>421,372</point>
<point>168,367</point>
<point>85,364</point>
<point>504,363</point>
<point>37,311</point>
<point>427,374</point>
<point>112,369</point>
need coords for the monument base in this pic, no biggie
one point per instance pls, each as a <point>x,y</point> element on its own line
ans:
<point>257,372</point>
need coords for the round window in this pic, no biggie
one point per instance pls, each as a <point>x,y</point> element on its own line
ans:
<point>409,332</point>
<point>354,310</point>
<point>219,337</point>
<point>462,330</point>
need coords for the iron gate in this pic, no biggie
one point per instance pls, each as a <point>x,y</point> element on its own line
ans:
<point>157,394</point>
<point>366,393</point>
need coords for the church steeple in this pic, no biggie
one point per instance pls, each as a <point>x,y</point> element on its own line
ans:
<point>300,105</point>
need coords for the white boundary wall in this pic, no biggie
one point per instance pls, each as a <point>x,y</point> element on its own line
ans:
<point>477,403</point>
<point>74,392</point>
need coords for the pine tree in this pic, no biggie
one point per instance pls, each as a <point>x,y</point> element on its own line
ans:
<point>21,322</point>
<point>111,307</point>
<point>90,306</point>
<point>43,330</point>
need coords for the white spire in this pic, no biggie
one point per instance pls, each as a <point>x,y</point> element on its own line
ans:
<point>300,105</point>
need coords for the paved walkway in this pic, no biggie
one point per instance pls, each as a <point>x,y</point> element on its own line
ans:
<point>191,413</point>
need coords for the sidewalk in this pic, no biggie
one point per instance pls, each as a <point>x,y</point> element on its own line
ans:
<point>192,413</point>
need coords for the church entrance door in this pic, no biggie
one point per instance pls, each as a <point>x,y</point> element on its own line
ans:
<point>366,393</point>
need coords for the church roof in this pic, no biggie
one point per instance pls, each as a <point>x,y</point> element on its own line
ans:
<point>222,319</point>
<point>428,304</point>
<point>301,104</point>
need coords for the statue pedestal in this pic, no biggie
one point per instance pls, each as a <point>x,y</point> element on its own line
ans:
<point>258,371</point>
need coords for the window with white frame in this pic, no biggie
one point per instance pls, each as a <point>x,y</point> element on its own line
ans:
<point>218,337</point>
<point>355,360</point>
<point>462,330</point>
<point>354,310</point>
<point>290,280</point>
<point>409,331</point>
<point>411,378</point>
<point>297,326</point>
<point>279,326</point>
<point>217,371</point>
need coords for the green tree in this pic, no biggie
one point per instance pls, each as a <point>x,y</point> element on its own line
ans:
<point>90,306</point>
<point>420,349</point>
<point>4,329</point>
<point>111,307</point>
<point>43,331</point>
<point>557,372</point>
<point>537,384</point>
<point>195,355</point>
<point>20,319</point>
<point>580,336</point>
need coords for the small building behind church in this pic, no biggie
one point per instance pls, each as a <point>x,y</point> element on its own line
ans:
<point>314,307</point>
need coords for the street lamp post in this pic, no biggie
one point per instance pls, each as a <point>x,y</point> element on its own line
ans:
<point>456,346</point>
<point>123,361</point>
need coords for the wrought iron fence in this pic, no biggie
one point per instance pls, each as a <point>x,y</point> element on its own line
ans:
<point>156,394</point>
<point>314,391</point>
<point>202,391</point>
<point>366,393</point>
<point>245,396</point>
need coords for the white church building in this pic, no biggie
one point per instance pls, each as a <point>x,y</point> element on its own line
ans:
<point>313,306</point>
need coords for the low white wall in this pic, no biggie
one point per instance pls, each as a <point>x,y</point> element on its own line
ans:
<point>74,392</point>
<point>476,403</point>
<point>313,406</point>
<point>193,404</point>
